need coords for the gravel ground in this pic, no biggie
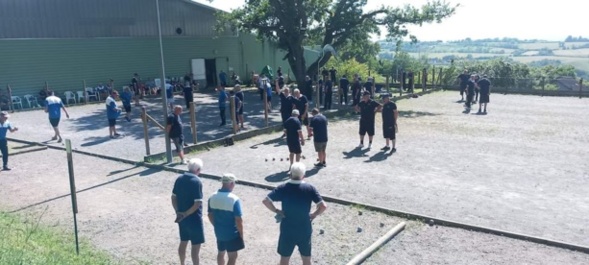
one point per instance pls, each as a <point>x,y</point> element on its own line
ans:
<point>126,211</point>
<point>423,244</point>
<point>522,168</point>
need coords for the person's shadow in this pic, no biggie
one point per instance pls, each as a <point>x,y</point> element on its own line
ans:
<point>380,156</point>
<point>356,152</point>
<point>284,176</point>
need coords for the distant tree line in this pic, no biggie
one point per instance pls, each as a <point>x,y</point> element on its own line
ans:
<point>577,39</point>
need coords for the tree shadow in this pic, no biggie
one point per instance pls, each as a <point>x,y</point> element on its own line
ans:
<point>356,152</point>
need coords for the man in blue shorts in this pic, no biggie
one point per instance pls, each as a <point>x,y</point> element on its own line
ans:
<point>53,106</point>
<point>225,215</point>
<point>295,227</point>
<point>294,136</point>
<point>174,130</point>
<point>187,203</point>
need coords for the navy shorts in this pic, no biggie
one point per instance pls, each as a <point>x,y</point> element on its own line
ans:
<point>240,111</point>
<point>54,122</point>
<point>295,148</point>
<point>127,108</point>
<point>366,127</point>
<point>232,245</point>
<point>112,122</point>
<point>192,231</point>
<point>179,143</point>
<point>388,131</point>
<point>288,241</point>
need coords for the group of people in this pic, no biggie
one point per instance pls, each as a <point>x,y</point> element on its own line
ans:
<point>224,212</point>
<point>472,85</point>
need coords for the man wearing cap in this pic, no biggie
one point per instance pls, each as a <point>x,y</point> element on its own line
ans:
<point>344,86</point>
<point>367,108</point>
<point>485,86</point>
<point>187,203</point>
<point>225,215</point>
<point>53,106</point>
<point>318,125</point>
<point>389,121</point>
<point>5,126</point>
<point>295,217</point>
<point>112,113</point>
<point>294,136</point>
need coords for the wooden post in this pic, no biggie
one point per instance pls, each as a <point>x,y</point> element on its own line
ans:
<point>318,98</point>
<point>85,92</point>
<point>10,106</point>
<point>265,104</point>
<point>145,129</point>
<point>581,88</point>
<point>387,84</point>
<point>440,78</point>
<point>193,121</point>
<point>423,80</point>
<point>233,116</point>
<point>543,85</point>
<point>434,77</point>
<point>402,85</point>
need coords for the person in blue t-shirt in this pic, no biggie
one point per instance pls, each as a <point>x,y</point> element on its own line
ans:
<point>225,215</point>
<point>318,125</point>
<point>126,98</point>
<point>187,202</point>
<point>295,217</point>
<point>5,126</point>
<point>53,106</point>
<point>222,104</point>
<point>112,113</point>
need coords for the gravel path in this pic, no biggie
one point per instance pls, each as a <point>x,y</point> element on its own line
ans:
<point>522,168</point>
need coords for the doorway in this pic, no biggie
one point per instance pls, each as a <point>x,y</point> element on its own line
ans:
<point>211,72</point>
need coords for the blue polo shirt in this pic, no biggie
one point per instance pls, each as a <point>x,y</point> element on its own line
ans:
<point>222,99</point>
<point>319,125</point>
<point>126,98</point>
<point>111,108</point>
<point>54,105</point>
<point>225,206</point>
<point>296,197</point>
<point>4,128</point>
<point>188,190</point>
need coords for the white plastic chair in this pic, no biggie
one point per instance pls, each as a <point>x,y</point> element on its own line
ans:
<point>81,96</point>
<point>92,94</point>
<point>69,95</point>
<point>16,101</point>
<point>31,100</point>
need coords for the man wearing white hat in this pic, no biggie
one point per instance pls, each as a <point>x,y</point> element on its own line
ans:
<point>225,215</point>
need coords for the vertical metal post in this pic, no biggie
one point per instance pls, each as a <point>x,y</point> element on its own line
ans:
<point>9,90</point>
<point>440,78</point>
<point>163,83</point>
<point>434,77</point>
<point>424,80</point>
<point>145,129</point>
<point>265,103</point>
<point>318,96</point>
<point>581,88</point>
<point>543,85</point>
<point>193,121</point>
<point>70,165</point>
<point>233,116</point>
<point>85,92</point>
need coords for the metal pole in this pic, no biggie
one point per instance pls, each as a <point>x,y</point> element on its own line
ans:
<point>193,120</point>
<point>233,116</point>
<point>163,84</point>
<point>70,165</point>
<point>581,88</point>
<point>145,129</point>
<point>265,102</point>
<point>85,92</point>
<point>9,90</point>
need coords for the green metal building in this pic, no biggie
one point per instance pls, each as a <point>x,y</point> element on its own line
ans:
<point>66,42</point>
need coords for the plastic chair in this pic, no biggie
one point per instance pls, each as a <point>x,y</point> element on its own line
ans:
<point>32,101</point>
<point>81,96</point>
<point>92,94</point>
<point>16,101</point>
<point>69,95</point>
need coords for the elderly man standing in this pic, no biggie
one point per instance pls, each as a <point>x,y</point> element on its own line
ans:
<point>225,215</point>
<point>187,203</point>
<point>389,121</point>
<point>295,228</point>
<point>175,131</point>
<point>318,126</point>
<point>294,136</point>
<point>5,126</point>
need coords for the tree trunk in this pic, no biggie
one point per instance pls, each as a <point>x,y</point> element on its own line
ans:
<point>296,60</point>
<point>313,68</point>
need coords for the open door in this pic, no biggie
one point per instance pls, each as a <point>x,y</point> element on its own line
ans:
<point>211,72</point>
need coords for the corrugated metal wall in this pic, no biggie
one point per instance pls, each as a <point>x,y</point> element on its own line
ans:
<point>103,18</point>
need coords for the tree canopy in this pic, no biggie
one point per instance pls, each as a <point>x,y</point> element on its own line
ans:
<point>341,23</point>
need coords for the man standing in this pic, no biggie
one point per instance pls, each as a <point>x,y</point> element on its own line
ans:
<point>223,78</point>
<point>294,136</point>
<point>112,113</point>
<point>187,203</point>
<point>308,89</point>
<point>5,126</point>
<point>324,73</point>
<point>367,108</point>
<point>286,103</point>
<point>295,228</point>
<point>463,79</point>
<point>318,125</point>
<point>485,86</point>
<point>368,86</point>
<point>470,86</point>
<point>389,122</point>
<point>174,130</point>
<point>240,96</point>
<point>135,83</point>
<point>225,215</point>
<point>302,104</point>
<point>356,90</point>
<point>222,104</point>
<point>53,106</point>
<point>344,86</point>
<point>328,93</point>
<point>188,96</point>
<point>332,73</point>
<point>126,97</point>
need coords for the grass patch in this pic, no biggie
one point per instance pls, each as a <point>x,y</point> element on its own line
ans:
<point>25,242</point>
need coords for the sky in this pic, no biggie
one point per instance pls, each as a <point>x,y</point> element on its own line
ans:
<point>476,19</point>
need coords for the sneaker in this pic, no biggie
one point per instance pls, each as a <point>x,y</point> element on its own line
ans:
<point>5,168</point>
<point>59,141</point>
<point>369,146</point>
<point>318,164</point>
<point>54,138</point>
<point>117,135</point>
<point>128,119</point>
<point>393,150</point>
<point>360,145</point>
<point>184,162</point>
<point>385,148</point>
<point>324,164</point>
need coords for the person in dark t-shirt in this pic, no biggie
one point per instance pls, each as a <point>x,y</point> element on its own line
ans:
<point>308,89</point>
<point>301,103</point>
<point>324,73</point>
<point>294,136</point>
<point>470,87</point>
<point>240,96</point>
<point>367,108</point>
<point>389,121</point>
<point>318,125</point>
<point>485,90</point>
<point>356,88</point>
<point>463,79</point>
<point>328,93</point>
<point>332,73</point>
<point>344,87</point>
<point>174,129</point>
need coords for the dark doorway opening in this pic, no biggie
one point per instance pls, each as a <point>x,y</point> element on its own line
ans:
<point>211,72</point>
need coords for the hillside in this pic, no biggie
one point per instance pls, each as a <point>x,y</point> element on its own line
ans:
<point>572,51</point>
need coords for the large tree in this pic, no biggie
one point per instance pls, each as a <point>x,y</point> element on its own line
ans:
<point>340,23</point>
